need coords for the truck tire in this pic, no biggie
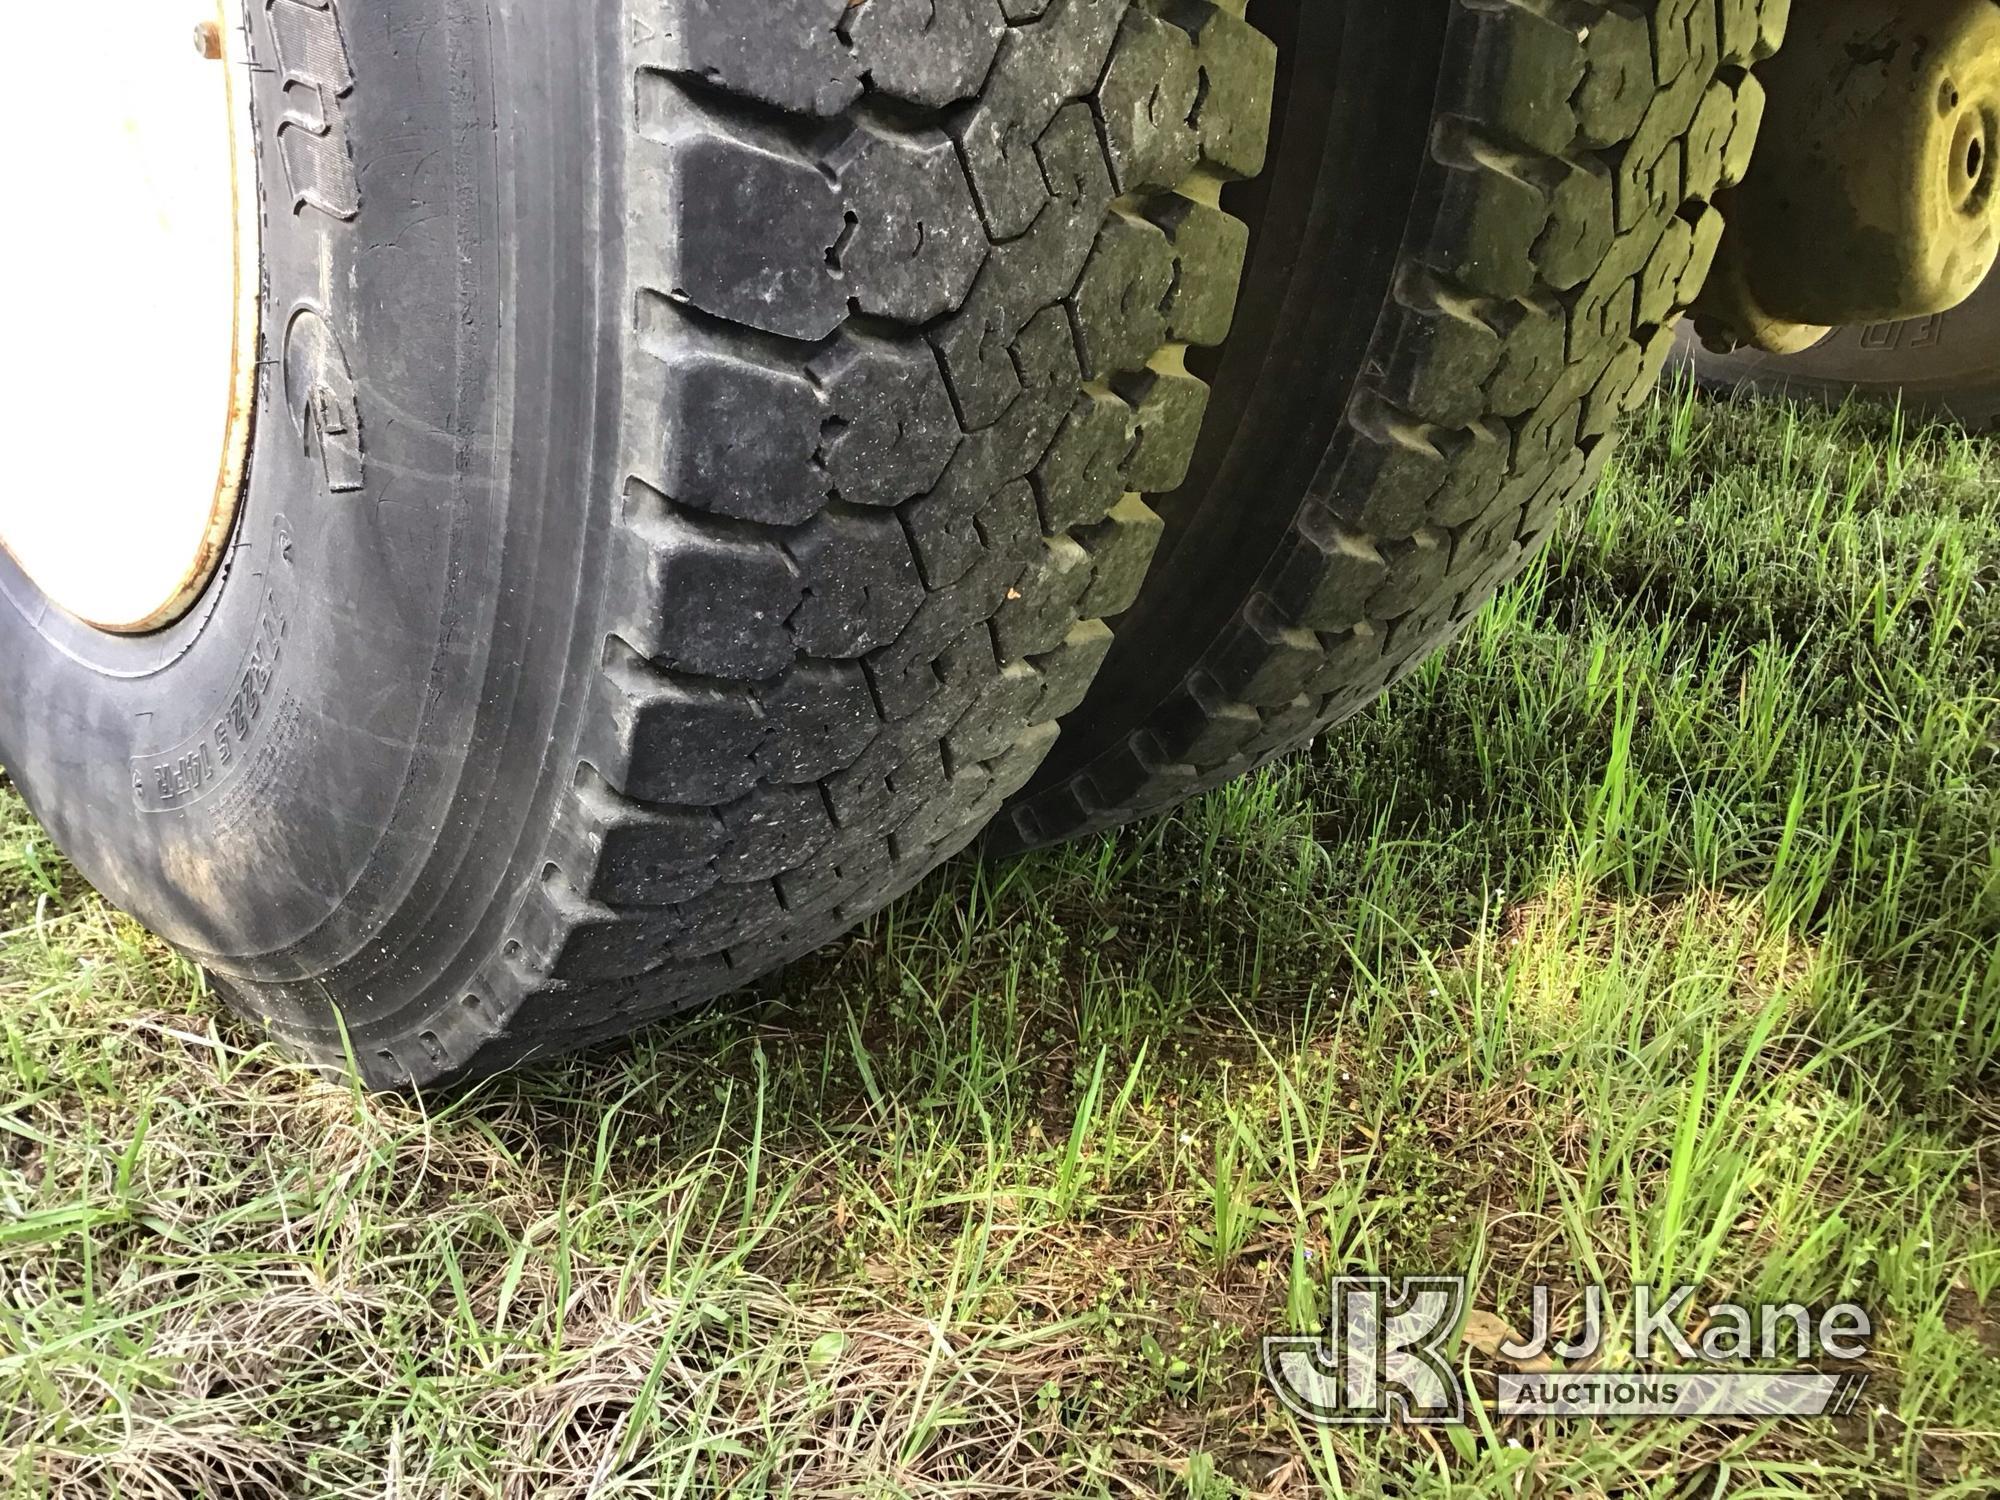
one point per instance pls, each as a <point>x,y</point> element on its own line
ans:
<point>694,459</point>
<point>1480,222</point>
<point>1946,366</point>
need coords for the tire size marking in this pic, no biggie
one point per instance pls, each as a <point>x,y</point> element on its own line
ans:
<point>312,135</point>
<point>201,765</point>
<point>1912,333</point>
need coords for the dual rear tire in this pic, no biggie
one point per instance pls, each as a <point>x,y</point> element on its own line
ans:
<point>777,454</point>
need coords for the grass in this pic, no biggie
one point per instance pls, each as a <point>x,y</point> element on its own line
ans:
<point>1651,935</point>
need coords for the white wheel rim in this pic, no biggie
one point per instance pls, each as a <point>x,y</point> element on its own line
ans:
<point>133,306</point>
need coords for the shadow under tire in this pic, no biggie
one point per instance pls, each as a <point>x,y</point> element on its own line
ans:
<point>1478,228</point>
<point>698,447</point>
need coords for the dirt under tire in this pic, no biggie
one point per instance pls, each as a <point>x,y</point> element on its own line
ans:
<point>605,626</point>
<point>1392,444</point>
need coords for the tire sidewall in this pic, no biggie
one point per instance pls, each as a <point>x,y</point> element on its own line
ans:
<point>281,778</point>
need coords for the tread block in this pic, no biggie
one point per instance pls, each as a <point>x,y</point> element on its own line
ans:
<point>1210,251</point>
<point>1751,102</point>
<point>1134,766</point>
<point>1028,274</point>
<point>1708,228</point>
<point>737,433</point>
<point>1562,481</point>
<point>1012,771</point>
<point>1614,393</point>
<point>1069,669</point>
<point>772,830</point>
<point>1708,140</point>
<point>928,52</point>
<point>1603,311</point>
<point>816,56</point>
<point>745,230</point>
<point>1657,294</point>
<point>1532,356</point>
<point>1041,67</point>
<point>1348,664</point>
<point>727,917</point>
<point>1120,549</point>
<point>1201,725</point>
<point>798,63</point>
<point>1497,210</point>
<point>1524,70</point>
<point>820,885</point>
<point>1752,30</point>
<point>863,796</point>
<point>943,823</point>
<point>856,583</point>
<point>1437,369</point>
<point>1416,566</point>
<point>1168,405</point>
<point>946,526</point>
<point>902,673</point>
<point>886,429</point>
<point>771,435</point>
<point>688,742</point>
<point>991,725</point>
<point>1653,169</point>
<point>1148,102</point>
<point>914,241</point>
<point>707,600</point>
<point>635,854</point>
<point>1120,305</point>
<point>1261,660</point>
<point>1686,38</point>
<point>1477,460</point>
<point>920,782</point>
<point>1083,474</point>
<point>1618,79</point>
<point>568,938</point>
<point>1340,571</point>
<point>1239,67</point>
<point>1579,233</point>
<point>1045,602</point>
<point>780,228</point>
<point>1283,728</point>
<point>1384,482</point>
<point>818,718</point>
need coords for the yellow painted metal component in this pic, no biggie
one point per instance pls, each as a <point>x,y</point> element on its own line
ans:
<point>1728,316</point>
<point>1872,196</point>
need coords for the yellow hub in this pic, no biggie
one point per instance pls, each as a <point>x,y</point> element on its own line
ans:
<point>134,305</point>
<point>1871,199</point>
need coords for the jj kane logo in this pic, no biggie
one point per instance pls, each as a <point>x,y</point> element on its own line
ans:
<point>1391,1348</point>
